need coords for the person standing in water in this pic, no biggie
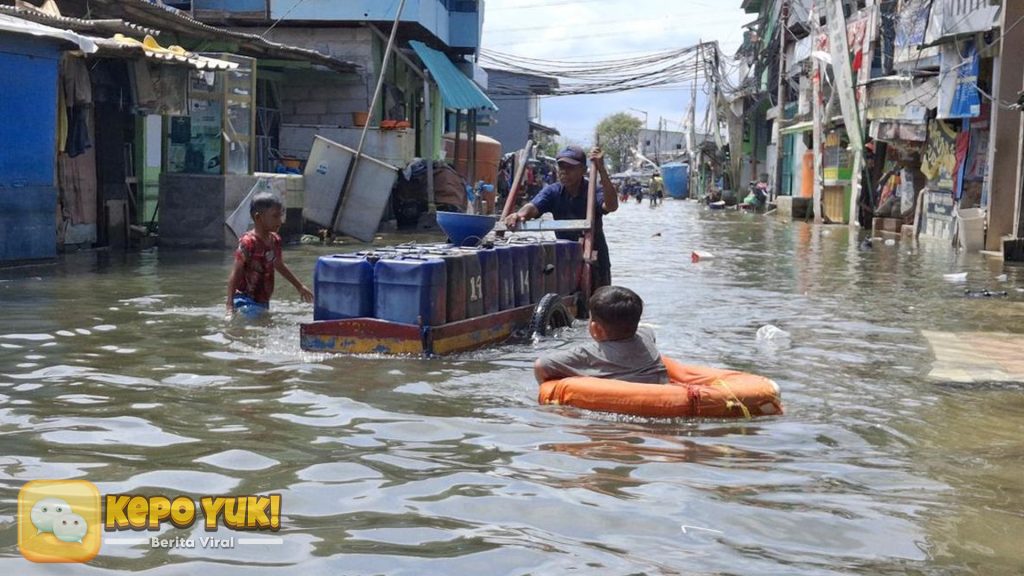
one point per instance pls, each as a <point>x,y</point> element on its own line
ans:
<point>258,257</point>
<point>566,199</point>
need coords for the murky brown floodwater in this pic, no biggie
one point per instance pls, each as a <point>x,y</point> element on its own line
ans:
<point>121,371</point>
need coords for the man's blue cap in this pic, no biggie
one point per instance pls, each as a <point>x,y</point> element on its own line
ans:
<point>572,155</point>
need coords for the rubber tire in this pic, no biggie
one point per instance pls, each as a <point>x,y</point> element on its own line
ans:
<point>549,313</point>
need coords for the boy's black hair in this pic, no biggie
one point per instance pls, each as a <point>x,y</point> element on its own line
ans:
<point>617,309</point>
<point>264,201</point>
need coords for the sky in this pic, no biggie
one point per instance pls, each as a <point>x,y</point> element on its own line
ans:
<point>581,30</point>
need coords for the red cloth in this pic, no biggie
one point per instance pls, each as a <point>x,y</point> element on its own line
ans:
<point>257,280</point>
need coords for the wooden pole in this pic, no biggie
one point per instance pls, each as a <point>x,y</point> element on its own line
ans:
<point>428,128</point>
<point>350,175</point>
<point>521,157</point>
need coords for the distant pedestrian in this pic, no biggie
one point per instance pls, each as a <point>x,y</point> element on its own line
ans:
<point>258,257</point>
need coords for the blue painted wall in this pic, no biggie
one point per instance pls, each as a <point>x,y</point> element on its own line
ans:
<point>455,22</point>
<point>28,147</point>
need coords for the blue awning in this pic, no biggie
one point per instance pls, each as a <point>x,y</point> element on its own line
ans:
<point>457,91</point>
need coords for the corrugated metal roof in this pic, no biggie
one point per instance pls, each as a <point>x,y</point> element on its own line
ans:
<point>170,19</point>
<point>19,26</point>
<point>101,27</point>
<point>457,91</point>
<point>172,55</point>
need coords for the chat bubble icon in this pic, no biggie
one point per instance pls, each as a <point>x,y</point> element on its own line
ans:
<point>45,511</point>
<point>70,528</point>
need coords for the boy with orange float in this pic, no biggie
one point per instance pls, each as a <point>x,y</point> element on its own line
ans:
<point>622,350</point>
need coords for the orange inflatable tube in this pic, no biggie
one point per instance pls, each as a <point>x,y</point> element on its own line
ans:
<point>694,391</point>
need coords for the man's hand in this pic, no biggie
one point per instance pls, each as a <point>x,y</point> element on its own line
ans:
<point>597,157</point>
<point>512,220</point>
<point>305,293</point>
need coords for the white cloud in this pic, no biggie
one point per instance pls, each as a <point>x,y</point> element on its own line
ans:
<point>585,30</point>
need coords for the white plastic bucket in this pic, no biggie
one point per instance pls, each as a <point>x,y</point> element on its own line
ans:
<point>972,229</point>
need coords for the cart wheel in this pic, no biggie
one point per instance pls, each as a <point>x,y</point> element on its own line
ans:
<point>549,313</point>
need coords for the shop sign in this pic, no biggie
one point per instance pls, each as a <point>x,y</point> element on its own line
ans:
<point>958,81</point>
<point>901,99</point>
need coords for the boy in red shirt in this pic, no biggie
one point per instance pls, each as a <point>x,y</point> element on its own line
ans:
<point>251,283</point>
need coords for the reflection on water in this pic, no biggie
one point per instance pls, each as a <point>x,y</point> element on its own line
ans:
<point>121,371</point>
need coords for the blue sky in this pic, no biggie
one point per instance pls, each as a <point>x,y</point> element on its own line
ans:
<point>609,29</point>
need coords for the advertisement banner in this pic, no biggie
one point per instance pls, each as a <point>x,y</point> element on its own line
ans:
<point>901,99</point>
<point>957,17</point>
<point>911,28</point>
<point>958,81</point>
<point>939,160</point>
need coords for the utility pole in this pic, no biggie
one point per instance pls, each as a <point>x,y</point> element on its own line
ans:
<point>845,86</point>
<point>780,99</point>
<point>816,80</point>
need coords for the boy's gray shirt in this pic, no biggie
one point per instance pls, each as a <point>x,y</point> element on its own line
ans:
<point>633,359</point>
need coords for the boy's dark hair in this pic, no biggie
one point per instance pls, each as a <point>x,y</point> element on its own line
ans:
<point>617,309</point>
<point>264,201</point>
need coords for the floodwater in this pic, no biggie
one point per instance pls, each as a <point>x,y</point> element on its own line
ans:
<point>120,370</point>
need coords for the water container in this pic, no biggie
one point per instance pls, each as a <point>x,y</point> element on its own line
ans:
<point>488,287</point>
<point>342,287</point>
<point>570,257</point>
<point>411,290</point>
<point>550,270</point>
<point>535,253</point>
<point>521,273</point>
<point>506,278</point>
<point>458,287</point>
<point>474,284</point>
<point>676,177</point>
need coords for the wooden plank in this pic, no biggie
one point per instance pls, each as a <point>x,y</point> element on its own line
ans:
<point>375,336</point>
<point>547,226</point>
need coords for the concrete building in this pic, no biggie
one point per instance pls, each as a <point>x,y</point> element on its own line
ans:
<point>518,97</point>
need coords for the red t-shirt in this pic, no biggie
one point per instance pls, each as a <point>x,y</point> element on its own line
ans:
<point>258,265</point>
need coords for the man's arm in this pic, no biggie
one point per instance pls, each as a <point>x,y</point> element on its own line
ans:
<point>611,195</point>
<point>283,270</point>
<point>528,212</point>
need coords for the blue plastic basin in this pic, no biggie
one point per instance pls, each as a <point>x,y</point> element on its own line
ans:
<point>465,229</point>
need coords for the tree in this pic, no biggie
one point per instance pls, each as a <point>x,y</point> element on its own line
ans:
<point>617,134</point>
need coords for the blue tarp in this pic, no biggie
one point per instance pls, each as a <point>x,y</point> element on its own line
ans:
<point>457,91</point>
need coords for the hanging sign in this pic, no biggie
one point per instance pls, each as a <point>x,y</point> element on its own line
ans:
<point>958,81</point>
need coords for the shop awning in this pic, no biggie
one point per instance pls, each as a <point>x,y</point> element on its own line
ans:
<point>797,128</point>
<point>457,91</point>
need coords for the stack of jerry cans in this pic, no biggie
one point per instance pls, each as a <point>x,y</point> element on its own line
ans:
<point>343,287</point>
<point>550,267</point>
<point>487,285</point>
<point>411,290</point>
<point>569,256</point>
<point>506,277</point>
